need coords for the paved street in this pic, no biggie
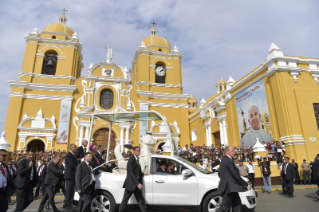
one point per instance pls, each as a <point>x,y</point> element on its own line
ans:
<point>304,200</point>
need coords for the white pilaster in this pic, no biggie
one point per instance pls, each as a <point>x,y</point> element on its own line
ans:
<point>81,136</point>
<point>210,136</point>
<point>122,139</point>
<point>127,135</point>
<point>87,130</point>
<point>225,132</point>
<point>221,132</point>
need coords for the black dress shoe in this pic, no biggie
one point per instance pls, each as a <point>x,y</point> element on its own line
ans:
<point>71,206</point>
<point>46,208</point>
<point>283,193</point>
<point>291,196</point>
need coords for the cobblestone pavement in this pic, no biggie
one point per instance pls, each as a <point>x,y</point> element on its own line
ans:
<point>304,200</point>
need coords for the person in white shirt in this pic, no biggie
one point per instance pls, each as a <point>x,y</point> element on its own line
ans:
<point>201,165</point>
<point>251,173</point>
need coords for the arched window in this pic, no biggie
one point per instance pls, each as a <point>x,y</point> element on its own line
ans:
<point>160,72</point>
<point>50,62</point>
<point>53,37</point>
<point>106,99</point>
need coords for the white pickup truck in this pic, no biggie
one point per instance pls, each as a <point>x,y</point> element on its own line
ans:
<point>188,187</point>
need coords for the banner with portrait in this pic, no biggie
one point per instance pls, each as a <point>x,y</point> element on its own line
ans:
<point>253,115</point>
<point>64,121</point>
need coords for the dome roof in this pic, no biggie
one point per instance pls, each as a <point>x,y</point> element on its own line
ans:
<point>222,81</point>
<point>59,28</point>
<point>156,40</point>
<point>192,99</point>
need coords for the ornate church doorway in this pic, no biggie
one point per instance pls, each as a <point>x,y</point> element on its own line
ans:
<point>101,137</point>
<point>217,139</point>
<point>35,145</point>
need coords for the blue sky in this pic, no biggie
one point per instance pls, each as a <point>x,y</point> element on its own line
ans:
<point>217,38</point>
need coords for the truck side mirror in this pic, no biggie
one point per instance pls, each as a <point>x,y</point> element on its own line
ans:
<point>187,173</point>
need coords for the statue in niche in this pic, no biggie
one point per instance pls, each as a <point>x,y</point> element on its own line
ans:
<point>106,99</point>
<point>49,64</point>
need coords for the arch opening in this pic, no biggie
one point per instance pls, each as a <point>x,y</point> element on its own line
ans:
<point>101,137</point>
<point>36,145</point>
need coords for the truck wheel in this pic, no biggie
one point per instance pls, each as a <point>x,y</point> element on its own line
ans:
<point>102,201</point>
<point>212,202</point>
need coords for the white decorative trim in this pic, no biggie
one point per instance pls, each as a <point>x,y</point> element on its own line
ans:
<point>108,79</point>
<point>159,84</point>
<point>159,95</point>
<point>38,86</point>
<point>284,138</point>
<point>297,137</point>
<point>42,55</point>
<point>153,104</point>
<point>38,129</point>
<point>46,97</point>
<point>48,40</point>
<point>48,76</point>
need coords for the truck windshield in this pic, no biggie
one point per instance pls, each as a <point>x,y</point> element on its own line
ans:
<point>194,166</point>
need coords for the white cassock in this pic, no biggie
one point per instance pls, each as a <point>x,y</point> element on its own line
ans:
<point>251,136</point>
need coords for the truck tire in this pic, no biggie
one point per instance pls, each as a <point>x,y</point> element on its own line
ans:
<point>212,202</point>
<point>102,201</point>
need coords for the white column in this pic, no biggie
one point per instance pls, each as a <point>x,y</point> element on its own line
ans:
<point>122,139</point>
<point>127,135</point>
<point>81,135</point>
<point>207,139</point>
<point>225,132</point>
<point>210,135</point>
<point>221,132</point>
<point>87,130</point>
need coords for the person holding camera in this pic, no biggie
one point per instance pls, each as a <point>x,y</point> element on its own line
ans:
<point>265,169</point>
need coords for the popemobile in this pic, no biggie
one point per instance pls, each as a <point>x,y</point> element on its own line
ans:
<point>189,187</point>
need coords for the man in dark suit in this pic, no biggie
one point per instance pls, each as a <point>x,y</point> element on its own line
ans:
<point>133,182</point>
<point>70,166</point>
<point>82,150</point>
<point>217,162</point>
<point>315,171</point>
<point>288,174</point>
<point>7,184</point>
<point>25,181</point>
<point>162,167</point>
<point>52,182</point>
<point>41,178</point>
<point>84,182</point>
<point>230,182</point>
<point>12,172</point>
<point>62,168</point>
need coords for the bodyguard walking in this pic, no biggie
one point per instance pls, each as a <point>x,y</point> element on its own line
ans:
<point>315,170</point>
<point>288,173</point>
<point>52,182</point>
<point>84,182</point>
<point>70,167</point>
<point>133,182</point>
<point>230,183</point>
<point>25,181</point>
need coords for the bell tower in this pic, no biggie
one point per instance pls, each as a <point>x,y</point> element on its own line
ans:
<point>157,66</point>
<point>52,63</point>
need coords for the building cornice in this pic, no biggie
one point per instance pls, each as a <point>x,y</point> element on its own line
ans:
<point>48,76</point>
<point>108,79</point>
<point>46,97</point>
<point>56,41</point>
<point>158,95</point>
<point>159,84</point>
<point>38,86</point>
<point>155,104</point>
<point>38,129</point>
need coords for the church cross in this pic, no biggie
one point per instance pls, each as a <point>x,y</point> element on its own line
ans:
<point>64,10</point>
<point>153,23</point>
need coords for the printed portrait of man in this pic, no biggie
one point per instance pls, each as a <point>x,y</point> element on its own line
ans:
<point>108,72</point>
<point>254,132</point>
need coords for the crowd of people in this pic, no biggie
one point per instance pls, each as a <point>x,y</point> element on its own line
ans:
<point>50,172</point>
<point>61,171</point>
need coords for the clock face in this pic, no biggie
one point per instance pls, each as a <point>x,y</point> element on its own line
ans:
<point>160,71</point>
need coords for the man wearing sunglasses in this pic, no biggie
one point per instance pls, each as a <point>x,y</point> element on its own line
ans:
<point>6,182</point>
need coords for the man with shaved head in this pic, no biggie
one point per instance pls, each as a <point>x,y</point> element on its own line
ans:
<point>230,182</point>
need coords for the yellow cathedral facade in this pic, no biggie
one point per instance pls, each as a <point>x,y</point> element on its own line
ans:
<point>51,103</point>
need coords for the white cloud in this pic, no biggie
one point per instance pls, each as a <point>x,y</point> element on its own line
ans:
<point>217,38</point>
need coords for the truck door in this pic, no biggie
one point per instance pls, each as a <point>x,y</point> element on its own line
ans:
<point>172,188</point>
